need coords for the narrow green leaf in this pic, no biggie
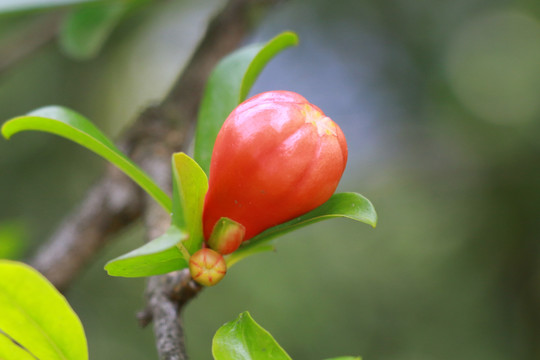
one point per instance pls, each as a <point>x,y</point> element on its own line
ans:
<point>37,316</point>
<point>239,255</point>
<point>190,186</point>
<point>264,55</point>
<point>244,339</point>
<point>157,257</point>
<point>86,28</point>
<point>13,239</point>
<point>349,205</point>
<point>228,86</point>
<point>8,6</point>
<point>73,126</point>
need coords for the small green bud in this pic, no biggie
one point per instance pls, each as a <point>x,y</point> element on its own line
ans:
<point>226,236</point>
<point>207,267</point>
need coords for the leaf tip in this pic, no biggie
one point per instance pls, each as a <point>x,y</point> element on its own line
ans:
<point>375,219</point>
<point>372,218</point>
<point>294,39</point>
<point>111,267</point>
<point>112,272</point>
<point>244,315</point>
<point>6,133</point>
<point>107,267</point>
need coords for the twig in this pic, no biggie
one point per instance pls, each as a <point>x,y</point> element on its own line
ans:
<point>42,31</point>
<point>111,205</point>
<point>115,202</point>
<point>167,294</point>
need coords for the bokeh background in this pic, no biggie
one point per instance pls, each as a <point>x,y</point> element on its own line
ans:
<point>440,103</point>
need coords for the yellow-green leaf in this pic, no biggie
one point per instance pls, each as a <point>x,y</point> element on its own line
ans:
<point>37,316</point>
<point>190,185</point>
<point>9,350</point>
<point>75,127</point>
<point>157,257</point>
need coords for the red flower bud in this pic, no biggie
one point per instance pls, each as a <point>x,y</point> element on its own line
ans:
<point>226,236</point>
<point>276,157</point>
<point>207,267</point>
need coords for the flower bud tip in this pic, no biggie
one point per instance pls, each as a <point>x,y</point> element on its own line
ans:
<point>207,267</point>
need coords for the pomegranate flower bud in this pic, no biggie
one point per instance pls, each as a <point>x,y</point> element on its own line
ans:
<point>207,267</point>
<point>226,236</point>
<point>276,157</point>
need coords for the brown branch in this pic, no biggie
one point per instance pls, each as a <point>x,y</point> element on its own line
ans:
<point>167,294</point>
<point>115,202</point>
<point>112,204</point>
<point>40,32</point>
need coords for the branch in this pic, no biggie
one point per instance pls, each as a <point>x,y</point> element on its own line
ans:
<point>167,294</point>
<point>42,30</point>
<point>109,206</point>
<point>115,202</point>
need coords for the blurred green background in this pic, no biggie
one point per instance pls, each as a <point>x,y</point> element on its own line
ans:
<point>440,103</point>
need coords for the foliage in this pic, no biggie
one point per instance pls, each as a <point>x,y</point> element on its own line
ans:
<point>86,25</point>
<point>75,127</point>
<point>172,250</point>
<point>12,239</point>
<point>159,256</point>
<point>86,28</point>
<point>228,86</point>
<point>434,142</point>
<point>46,327</point>
<point>244,339</point>
<point>36,321</point>
<point>190,185</point>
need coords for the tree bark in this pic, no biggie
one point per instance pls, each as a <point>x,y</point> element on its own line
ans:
<point>115,202</point>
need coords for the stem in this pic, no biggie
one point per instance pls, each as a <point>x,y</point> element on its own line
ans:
<point>115,202</point>
<point>184,251</point>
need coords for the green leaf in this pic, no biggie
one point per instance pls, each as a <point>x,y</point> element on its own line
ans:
<point>244,339</point>
<point>73,126</point>
<point>9,350</point>
<point>228,86</point>
<point>157,257</point>
<point>7,6</point>
<point>349,205</point>
<point>13,239</point>
<point>245,252</point>
<point>86,28</point>
<point>190,185</point>
<point>37,316</point>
